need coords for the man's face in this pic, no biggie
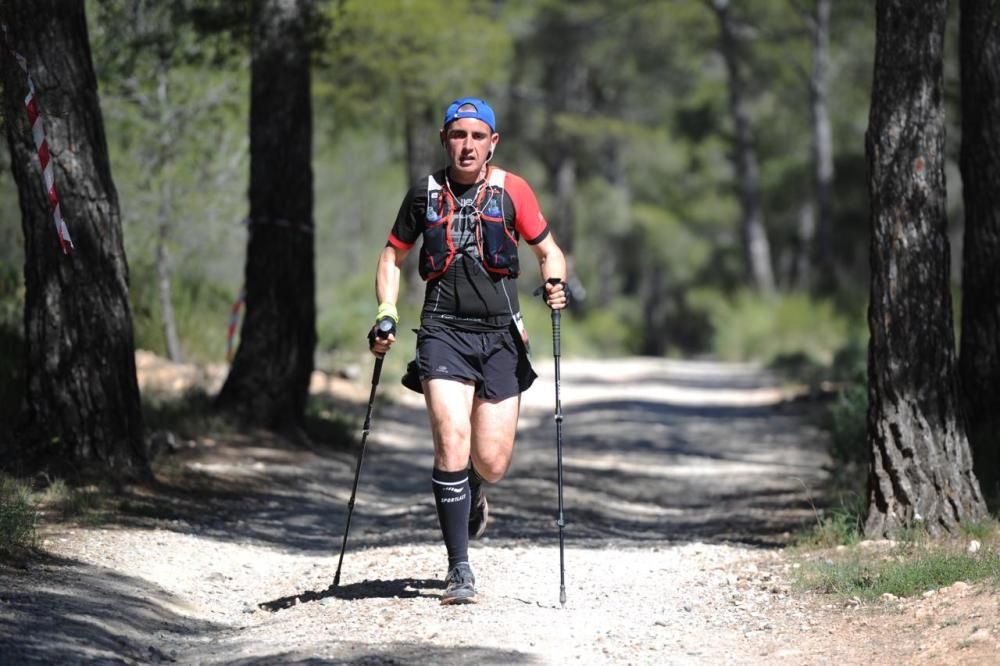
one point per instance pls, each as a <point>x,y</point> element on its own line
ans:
<point>468,142</point>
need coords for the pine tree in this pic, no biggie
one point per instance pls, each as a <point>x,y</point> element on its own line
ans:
<point>82,405</point>
<point>921,470</point>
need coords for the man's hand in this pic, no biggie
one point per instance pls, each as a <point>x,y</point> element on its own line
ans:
<point>556,293</point>
<point>381,337</point>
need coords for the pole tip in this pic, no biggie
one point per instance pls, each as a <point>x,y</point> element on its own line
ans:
<point>562,597</point>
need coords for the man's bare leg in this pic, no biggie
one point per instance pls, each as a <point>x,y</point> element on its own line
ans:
<point>449,406</point>
<point>494,425</point>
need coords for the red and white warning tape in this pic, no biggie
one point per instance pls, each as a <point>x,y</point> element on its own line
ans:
<point>234,319</point>
<point>42,146</point>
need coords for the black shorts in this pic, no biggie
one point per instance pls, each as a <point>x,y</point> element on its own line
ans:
<point>496,361</point>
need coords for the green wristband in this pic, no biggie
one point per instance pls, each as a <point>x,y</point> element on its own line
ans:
<point>387,310</point>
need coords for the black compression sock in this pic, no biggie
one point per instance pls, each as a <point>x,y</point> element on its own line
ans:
<point>474,479</point>
<point>453,500</point>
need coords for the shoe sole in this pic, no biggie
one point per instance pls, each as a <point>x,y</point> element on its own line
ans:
<point>458,601</point>
<point>486,519</point>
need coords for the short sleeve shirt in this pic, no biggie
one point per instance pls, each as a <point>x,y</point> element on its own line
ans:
<point>467,295</point>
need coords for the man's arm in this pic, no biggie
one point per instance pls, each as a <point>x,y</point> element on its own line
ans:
<point>552,264</point>
<point>387,274</point>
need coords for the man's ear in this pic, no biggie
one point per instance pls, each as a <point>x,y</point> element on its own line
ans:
<point>495,141</point>
<point>441,136</point>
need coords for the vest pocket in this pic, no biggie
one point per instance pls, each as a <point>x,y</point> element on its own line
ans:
<point>436,249</point>
<point>499,246</point>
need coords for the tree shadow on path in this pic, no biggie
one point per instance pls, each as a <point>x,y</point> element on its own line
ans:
<point>61,611</point>
<point>400,588</point>
<point>645,461</point>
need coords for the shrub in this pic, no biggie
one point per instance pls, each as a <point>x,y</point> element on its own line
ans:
<point>18,519</point>
<point>840,525</point>
<point>848,427</point>
<point>753,326</point>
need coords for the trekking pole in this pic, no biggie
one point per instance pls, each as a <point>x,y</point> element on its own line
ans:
<point>385,327</point>
<point>556,325</point>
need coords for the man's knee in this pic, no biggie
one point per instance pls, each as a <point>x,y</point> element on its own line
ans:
<point>493,467</point>
<point>452,435</point>
<point>451,448</point>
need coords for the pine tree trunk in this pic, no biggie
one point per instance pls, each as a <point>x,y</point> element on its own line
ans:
<point>164,269</point>
<point>566,83</point>
<point>921,468</point>
<point>980,164</point>
<point>756,247</point>
<point>268,382</point>
<point>822,247</point>
<point>422,157</point>
<point>82,406</point>
<point>164,272</point>
<point>422,143</point>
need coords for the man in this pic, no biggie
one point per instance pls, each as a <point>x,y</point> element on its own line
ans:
<point>471,362</point>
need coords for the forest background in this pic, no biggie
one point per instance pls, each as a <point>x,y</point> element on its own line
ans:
<point>620,114</point>
<point>702,163</point>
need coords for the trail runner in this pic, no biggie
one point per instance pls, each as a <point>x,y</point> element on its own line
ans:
<point>471,359</point>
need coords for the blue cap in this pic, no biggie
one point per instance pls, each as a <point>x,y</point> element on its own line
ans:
<point>480,110</point>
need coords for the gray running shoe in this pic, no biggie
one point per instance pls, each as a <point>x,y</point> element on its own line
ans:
<point>479,514</point>
<point>461,585</point>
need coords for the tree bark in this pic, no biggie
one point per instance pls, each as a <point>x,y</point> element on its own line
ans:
<point>921,467</point>
<point>756,247</point>
<point>164,270</point>
<point>805,240</point>
<point>823,276</point>
<point>82,406</point>
<point>980,165</point>
<point>268,382</point>
<point>163,277</point>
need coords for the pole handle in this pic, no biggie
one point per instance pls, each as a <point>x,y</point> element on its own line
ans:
<point>556,326</point>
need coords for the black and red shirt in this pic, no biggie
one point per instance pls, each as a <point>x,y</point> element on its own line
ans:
<point>467,295</point>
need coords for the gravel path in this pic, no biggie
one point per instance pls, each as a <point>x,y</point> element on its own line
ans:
<point>681,478</point>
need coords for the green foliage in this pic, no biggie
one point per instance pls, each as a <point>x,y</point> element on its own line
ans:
<point>74,503</point>
<point>201,311</point>
<point>980,529</point>
<point>848,421</point>
<point>914,569</point>
<point>328,425</point>
<point>750,326</point>
<point>573,337</point>
<point>605,332</point>
<point>635,95</point>
<point>839,525</point>
<point>18,519</point>
<point>388,59</point>
<point>178,145</point>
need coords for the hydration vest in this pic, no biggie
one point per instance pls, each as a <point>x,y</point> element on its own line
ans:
<point>495,241</point>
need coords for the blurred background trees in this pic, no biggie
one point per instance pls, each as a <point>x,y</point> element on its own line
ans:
<point>689,156</point>
<point>701,163</point>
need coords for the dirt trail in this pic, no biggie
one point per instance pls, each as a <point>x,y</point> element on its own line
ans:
<point>681,481</point>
